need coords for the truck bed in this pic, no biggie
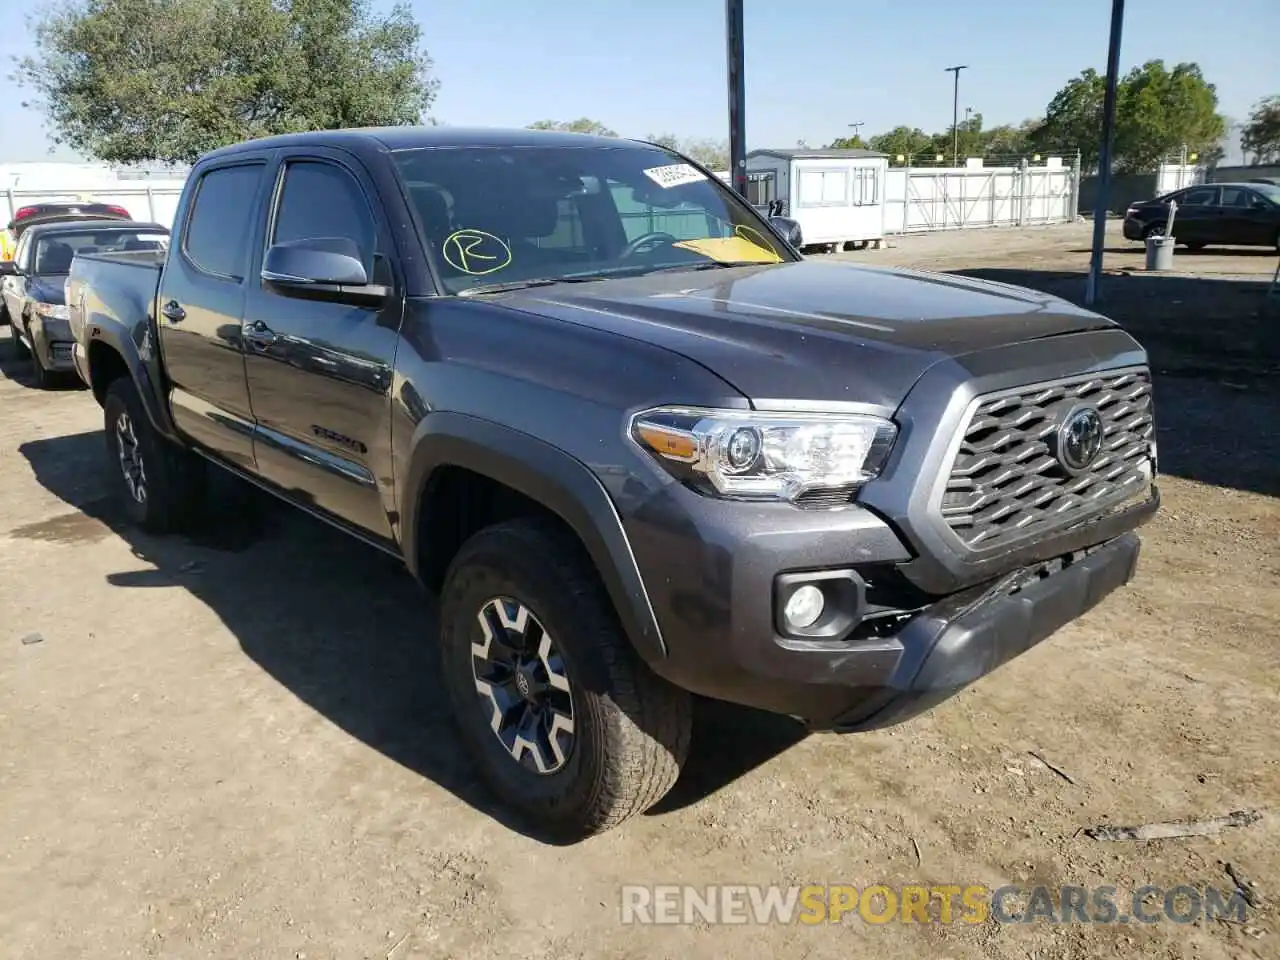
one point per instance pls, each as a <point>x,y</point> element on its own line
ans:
<point>113,289</point>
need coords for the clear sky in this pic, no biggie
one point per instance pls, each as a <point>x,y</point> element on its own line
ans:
<point>812,66</point>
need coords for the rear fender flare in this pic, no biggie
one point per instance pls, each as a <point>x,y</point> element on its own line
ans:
<point>114,338</point>
<point>548,476</point>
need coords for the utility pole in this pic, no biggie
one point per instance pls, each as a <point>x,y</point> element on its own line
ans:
<point>1104,155</point>
<point>856,125</point>
<point>955,114</point>
<point>737,97</point>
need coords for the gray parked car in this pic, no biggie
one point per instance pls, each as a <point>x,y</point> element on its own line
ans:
<point>31,284</point>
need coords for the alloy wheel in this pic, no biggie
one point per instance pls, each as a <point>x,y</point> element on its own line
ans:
<point>524,688</point>
<point>131,466</point>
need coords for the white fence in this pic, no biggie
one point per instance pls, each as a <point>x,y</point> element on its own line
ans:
<point>1175,176</point>
<point>157,203</point>
<point>918,200</point>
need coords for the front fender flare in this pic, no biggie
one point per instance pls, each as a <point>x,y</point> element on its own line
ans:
<point>549,476</point>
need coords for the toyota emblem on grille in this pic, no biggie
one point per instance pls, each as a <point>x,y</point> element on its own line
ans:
<point>1079,440</point>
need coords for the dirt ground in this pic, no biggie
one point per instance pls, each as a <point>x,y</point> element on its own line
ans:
<point>234,744</point>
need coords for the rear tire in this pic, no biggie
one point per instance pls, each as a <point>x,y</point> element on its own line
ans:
<point>159,484</point>
<point>608,736</point>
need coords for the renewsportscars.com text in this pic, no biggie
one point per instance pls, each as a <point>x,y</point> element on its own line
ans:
<point>911,903</point>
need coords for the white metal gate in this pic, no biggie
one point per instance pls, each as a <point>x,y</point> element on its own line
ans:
<point>919,200</point>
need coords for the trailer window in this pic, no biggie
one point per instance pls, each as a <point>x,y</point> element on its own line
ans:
<point>762,188</point>
<point>823,188</point>
<point>866,186</point>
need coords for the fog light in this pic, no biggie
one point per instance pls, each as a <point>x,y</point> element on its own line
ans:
<point>804,607</point>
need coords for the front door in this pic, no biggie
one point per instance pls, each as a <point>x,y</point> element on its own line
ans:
<point>319,372</point>
<point>1247,218</point>
<point>201,308</point>
<point>1198,217</point>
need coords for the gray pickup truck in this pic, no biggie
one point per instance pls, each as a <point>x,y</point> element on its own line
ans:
<point>640,447</point>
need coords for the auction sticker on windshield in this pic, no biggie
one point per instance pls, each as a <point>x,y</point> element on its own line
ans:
<point>674,175</point>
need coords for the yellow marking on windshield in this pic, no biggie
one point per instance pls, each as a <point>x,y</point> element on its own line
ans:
<point>475,252</point>
<point>740,247</point>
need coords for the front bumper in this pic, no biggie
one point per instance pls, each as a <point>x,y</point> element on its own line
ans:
<point>1133,228</point>
<point>716,608</point>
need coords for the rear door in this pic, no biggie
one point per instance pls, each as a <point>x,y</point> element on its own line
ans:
<point>1198,218</point>
<point>319,372</point>
<point>201,306</point>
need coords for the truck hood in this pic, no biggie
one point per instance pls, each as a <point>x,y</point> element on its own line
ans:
<point>813,331</point>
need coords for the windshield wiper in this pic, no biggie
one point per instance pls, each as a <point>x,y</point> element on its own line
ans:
<point>508,285</point>
<point>605,274</point>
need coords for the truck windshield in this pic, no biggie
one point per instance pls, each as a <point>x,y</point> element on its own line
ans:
<point>54,254</point>
<point>506,215</point>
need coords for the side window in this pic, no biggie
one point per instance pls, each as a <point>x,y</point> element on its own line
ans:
<point>323,200</point>
<point>567,234</point>
<point>686,221</point>
<point>1236,197</point>
<point>221,218</point>
<point>1200,196</point>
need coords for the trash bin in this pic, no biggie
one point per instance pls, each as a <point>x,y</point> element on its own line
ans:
<point>1160,253</point>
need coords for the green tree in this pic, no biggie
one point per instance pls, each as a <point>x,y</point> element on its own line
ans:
<point>848,143</point>
<point>712,154</point>
<point>903,141</point>
<point>131,81</point>
<point>581,125</point>
<point>1261,135</point>
<point>1008,140</point>
<point>1157,111</point>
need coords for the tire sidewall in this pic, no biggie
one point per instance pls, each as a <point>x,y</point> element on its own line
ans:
<point>554,797</point>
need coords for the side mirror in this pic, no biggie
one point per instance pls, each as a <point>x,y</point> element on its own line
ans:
<point>320,268</point>
<point>333,260</point>
<point>8,268</point>
<point>789,229</point>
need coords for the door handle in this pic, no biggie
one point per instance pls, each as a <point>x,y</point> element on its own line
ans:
<point>259,335</point>
<point>173,312</point>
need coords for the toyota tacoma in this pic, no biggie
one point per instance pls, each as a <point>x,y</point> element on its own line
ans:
<point>640,448</point>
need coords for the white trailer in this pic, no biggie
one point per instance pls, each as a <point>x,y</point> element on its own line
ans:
<point>837,196</point>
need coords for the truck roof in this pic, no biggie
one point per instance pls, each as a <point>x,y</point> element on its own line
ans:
<point>406,138</point>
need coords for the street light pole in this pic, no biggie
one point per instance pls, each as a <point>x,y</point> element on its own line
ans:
<point>1104,155</point>
<point>737,97</point>
<point>856,126</point>
<point>955,114</point>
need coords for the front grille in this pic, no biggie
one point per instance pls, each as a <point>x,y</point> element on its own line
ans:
<point>1006,482</point>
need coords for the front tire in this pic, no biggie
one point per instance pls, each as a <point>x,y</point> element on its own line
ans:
<point>40,374</point>
<point>566,724</point>
<point>1153,230</point>
<point>159,484</point>
<point>15,342</point>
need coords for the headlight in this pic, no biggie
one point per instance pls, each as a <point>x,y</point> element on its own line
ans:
<point>54,311</point>
<point>744,455</point>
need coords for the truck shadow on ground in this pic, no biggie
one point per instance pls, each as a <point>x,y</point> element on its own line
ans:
<point>1215,352</point>
<point>342,626</point>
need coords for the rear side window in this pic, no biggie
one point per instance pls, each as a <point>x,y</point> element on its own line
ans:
<point>221,220</point>
<point>323,200</point>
